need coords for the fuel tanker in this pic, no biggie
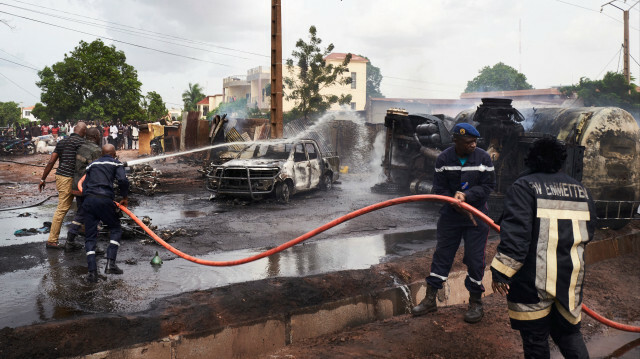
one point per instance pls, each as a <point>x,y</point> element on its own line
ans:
<point>603,146</point>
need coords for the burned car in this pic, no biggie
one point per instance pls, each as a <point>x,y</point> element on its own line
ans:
<point>278,168</point>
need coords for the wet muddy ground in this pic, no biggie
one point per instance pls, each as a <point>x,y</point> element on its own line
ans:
<point>45,286</point>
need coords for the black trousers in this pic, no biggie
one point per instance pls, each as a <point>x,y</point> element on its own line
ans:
<point>98,209</point>
<point>448,235</point>
<point>535,336</point>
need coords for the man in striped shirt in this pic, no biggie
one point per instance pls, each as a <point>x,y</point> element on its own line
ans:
<point>65,151</point>
<point>465,173</point>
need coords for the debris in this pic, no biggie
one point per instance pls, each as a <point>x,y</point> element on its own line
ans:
<point>46,228</point>
<point>144,179</point>
<point>25,214</point>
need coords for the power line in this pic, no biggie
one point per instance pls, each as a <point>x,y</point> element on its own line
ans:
<point>129,32</point>
<point>17,57</point>
<point>143,30</point>
<point>29,67</point>
<point>22,88</point>
<point>614,56</point>
<point>115,40</point>
<point>594,10</point>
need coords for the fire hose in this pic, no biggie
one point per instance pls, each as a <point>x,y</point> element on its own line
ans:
<point>339,220</point>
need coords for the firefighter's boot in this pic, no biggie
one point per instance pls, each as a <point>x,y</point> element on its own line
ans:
<point>112,267</point>
<point>475,313</point>
<point>92,277</point>
<point>428,304</point>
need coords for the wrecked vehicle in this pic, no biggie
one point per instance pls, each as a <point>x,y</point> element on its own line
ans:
<point>602,148</point>
<point>279,168</point>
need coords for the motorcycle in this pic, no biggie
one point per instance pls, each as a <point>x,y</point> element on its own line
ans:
<point>17,146</point>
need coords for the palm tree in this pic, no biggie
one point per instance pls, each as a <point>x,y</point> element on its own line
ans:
<point>191,97</point>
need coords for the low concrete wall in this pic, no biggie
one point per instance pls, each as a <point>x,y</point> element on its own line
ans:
<point>264,335</point>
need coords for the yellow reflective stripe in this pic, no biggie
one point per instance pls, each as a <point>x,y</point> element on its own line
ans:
<point>552,257</point>
<point>568,316</point>
<point>500,267</point>
<point>563,214</point>
<point>575,262</point>
<point>529,315</point>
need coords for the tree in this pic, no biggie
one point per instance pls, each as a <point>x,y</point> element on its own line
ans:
<point>93,82</point>
<point>500,77</point>
<point>156,107</point>
<point>612,90</point>
<point>9,113</point>
<point>192,96</point>
<point>374,77</point>
<point>313,74</point>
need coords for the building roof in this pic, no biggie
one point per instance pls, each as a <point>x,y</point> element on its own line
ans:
<point>429,101</point>
<point>339,56</point>
<point>204,101</point>
<point>28,108</point>
<point>512,94</point>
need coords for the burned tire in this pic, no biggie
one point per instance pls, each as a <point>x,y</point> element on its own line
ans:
<point>326,181</point>
<point>283,192</point>
<point>31,149</point>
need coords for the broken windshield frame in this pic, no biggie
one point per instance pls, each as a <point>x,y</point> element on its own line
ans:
<point>278,151</point>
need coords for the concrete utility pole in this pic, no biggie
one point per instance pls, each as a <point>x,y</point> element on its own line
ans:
<point>626,69</point>
<point>276,70</point>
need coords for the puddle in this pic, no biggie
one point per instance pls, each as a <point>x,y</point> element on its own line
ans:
<point>10,221</point>
<point>611,344</point>
<point>57,289</point>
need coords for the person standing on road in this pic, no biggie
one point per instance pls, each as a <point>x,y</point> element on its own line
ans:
<point>465,173</point>
<point>548,218</point>
<point>65,151</point>
<point>99,206</point>
<point>113,134</point>
<point>87,153</point>
<point>134,136</point>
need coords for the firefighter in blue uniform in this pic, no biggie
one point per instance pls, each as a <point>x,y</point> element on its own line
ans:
<point>467,174</point>
<point>548,218</point>
<point>97,188</point>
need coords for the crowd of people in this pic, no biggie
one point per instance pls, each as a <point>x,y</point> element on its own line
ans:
<point>122,136</point>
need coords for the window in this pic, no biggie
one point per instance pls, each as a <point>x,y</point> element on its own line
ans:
<point>27,113</point>
<point>353,80</point>
<point>311,151</point>
<point>205,110</point>
<point>299,154</point>
<point>353,105</point>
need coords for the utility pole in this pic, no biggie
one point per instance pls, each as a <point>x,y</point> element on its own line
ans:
<point>276,70</point>
<point>626,69</point>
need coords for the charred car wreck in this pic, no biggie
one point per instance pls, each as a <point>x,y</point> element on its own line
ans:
<point>278,168</point>
<point>602,144</point>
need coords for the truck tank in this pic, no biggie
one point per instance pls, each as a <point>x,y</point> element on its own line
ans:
<point>611,138</point>
<point>611,160</point>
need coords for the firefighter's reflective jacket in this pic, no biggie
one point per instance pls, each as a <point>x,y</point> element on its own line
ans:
<point>548,218</point>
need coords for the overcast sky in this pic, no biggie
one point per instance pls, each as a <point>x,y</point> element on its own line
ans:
<point>424,48</point>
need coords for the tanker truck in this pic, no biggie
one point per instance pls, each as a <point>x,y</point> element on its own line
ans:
<point>603,147</point>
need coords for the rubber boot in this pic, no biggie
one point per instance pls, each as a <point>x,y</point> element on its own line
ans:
<point>428,304</point>
<point>475,313</point>
<point>92,277</point>
<point>112,267</point>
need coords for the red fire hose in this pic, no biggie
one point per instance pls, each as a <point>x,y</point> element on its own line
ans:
<point>335,222</point>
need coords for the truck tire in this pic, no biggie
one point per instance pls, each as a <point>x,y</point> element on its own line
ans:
<point>31,149</point>
<point>326,181</point>
<point>283,192</point>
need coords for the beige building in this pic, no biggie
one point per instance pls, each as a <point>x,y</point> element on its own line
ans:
<point>254,85</point>
<point>209,103</point>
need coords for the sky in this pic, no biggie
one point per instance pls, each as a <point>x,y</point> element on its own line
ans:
<point>424,48</point>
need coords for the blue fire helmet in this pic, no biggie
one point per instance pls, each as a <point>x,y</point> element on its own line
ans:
<point>465,129</point>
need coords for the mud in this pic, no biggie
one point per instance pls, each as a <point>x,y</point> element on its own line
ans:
<point>49,311</point>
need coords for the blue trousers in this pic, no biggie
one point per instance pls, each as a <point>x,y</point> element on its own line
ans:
<point>448,235</point>
<point>78,219</point>
<point>98,209</point>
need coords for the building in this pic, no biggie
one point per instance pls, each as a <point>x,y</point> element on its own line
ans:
<point>527,98</point>
<point>255,85</point>
<point>209,103</point>
<point>26,113</point>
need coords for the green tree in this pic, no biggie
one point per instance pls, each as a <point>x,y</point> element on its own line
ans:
<point>9,113</point>
<point>314,74</point>
<point>93,82</point>
<point>41,112</point>
<point>156,108</point>
<point>500,77</point>
<point>191,96</point>
<point>612,90</point>
<point>374,78</point>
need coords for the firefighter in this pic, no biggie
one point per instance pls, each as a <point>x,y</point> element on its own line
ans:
<point>98,205</point>
<point>465,173</point>
<point>548,218</point>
